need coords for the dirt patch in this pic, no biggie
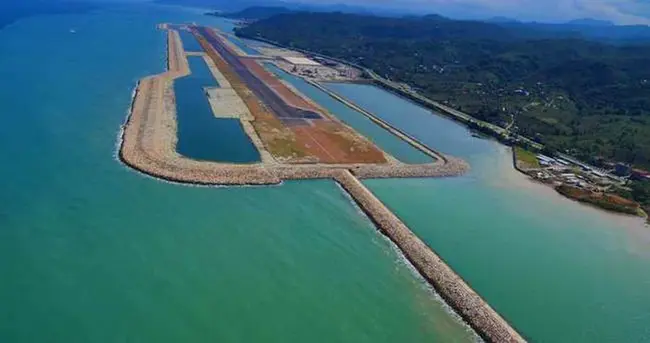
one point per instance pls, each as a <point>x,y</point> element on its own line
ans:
<point>610,202</point>
<point>324,141</point>
<point>333,143</point>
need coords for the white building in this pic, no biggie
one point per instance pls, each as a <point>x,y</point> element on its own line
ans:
<point>302,61</point>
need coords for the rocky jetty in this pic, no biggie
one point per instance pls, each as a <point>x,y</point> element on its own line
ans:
<point>148,144</point>
<point>478,314</point>
<point>149,141</point>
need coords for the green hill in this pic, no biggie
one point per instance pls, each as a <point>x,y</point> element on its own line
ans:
<point>586,97</point>
<point>256,12</point>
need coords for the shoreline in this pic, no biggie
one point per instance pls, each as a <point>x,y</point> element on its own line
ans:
<point>585,198</point>
<point>478,314</point>
<point>447,112</point>
<point>509,177</point>
<point>148,145</point>
<point>149,139</point>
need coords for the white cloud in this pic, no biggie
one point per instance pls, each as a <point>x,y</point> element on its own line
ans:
<point>618,11</point>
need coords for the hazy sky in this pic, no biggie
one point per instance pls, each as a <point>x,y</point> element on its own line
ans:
<point>619,11</point>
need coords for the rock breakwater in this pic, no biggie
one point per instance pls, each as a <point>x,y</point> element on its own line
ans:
<point>148,145</point>
<point>479,315</point>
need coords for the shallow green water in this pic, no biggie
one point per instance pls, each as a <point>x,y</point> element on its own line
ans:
<point>201,136</point>
<point>559,271</point>
<point>91,251</point>
<point>384,139</point>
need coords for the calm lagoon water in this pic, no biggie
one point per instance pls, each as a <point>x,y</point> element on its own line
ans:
<point>437,132</point>
<point>558,270</point>
<point>189,41</point>
<point>201,136</point>
<point>384,139</point>
<point>243,45</point>
<point>91,251</point>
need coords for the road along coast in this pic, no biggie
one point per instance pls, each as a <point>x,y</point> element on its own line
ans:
<point>148,144</point>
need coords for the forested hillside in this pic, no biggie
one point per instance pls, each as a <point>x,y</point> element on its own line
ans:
<point>588,97</point>
<point>255,12</point>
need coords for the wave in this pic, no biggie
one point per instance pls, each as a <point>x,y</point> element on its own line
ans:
<point>404,261</point>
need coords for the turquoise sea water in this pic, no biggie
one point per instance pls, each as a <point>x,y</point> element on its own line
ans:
<point>91,251</point>
<point>201,136</point>
<point>384,139</point>
<point>558,270</point>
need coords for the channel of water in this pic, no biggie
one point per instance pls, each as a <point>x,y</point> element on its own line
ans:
<point>190,44</point>
<point>559,271</point>
<point>384,139</point>
<point>91,251</point>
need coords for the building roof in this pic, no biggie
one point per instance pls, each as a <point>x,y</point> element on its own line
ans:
<point>301,61</point>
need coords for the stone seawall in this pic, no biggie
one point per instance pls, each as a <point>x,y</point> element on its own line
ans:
<point>382,123</point>
<point>478,314</point>
<point>450,167</point>
<point>149,141</point>
<point>148,145</point>
<point>149,137</point>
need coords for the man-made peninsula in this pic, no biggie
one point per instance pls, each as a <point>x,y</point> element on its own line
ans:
<point>295,139</point>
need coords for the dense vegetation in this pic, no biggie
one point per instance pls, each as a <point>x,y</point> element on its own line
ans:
<point>609,202</point>
<point>584,96</point>
<point>222,5</point>
<point>526,159</point>
<point>590,29</point>
<point>640,192</point>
